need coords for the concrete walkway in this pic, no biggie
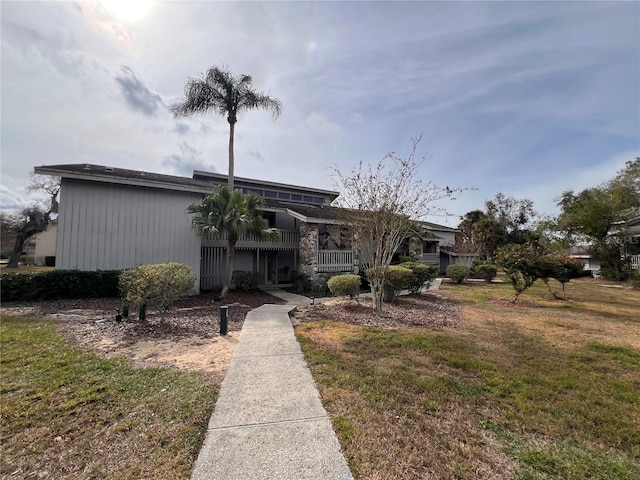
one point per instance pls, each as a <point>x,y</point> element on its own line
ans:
<point>269,422</point>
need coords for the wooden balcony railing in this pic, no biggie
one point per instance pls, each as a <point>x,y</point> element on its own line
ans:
<point>288,240</point>
<point>431,258</point>
<point>335,261</point>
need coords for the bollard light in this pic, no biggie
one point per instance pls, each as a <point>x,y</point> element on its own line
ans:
<point>223,320</point>
<point>313,301</point>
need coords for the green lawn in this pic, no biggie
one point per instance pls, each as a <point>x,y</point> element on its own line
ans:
<point>67,413</point>
<point>24,269</point>
<point>547,389</point>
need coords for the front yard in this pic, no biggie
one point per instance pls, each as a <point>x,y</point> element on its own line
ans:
<point>453,384</point>
<point>541,389</point>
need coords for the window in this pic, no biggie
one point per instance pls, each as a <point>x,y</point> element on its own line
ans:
<point>297,198</point>
<point>270,194</point>
<point>270,217</point>
<point>284,196</point>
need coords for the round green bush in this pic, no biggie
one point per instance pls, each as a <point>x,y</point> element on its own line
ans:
<point>458,273</point>
<point>487,271</point>
<point>395,279</point>
<point>159,285</point>
<point>343,285</point>
<point>421,274</point>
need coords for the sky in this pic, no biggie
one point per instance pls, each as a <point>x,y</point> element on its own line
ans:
<point>525,98</point>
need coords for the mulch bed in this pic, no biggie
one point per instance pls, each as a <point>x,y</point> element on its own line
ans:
<point>423,310</point>
<point>196,315</point>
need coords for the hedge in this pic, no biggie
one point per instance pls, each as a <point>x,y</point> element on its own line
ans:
<point>58,284</point>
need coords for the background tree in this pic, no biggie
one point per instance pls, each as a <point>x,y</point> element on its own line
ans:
<point>598,215</point>
<point>505,220</point>
<point>468,239</point>
<point>32,219</point>
<point>225,93</point>
<point>379,204</point>
<point>234,214</point>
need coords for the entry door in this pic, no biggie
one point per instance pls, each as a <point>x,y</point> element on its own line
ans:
<point>271,268</point>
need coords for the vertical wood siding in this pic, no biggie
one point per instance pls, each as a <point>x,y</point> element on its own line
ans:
<point>108,227</point>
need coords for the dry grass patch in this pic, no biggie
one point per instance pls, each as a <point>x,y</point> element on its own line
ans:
<point>547,390</point>
<point>67,413</point>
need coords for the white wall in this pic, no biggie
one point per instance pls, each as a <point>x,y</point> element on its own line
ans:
<point>105,226</point>
<point>46,244</point>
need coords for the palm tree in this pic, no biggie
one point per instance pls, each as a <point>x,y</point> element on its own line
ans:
<point>226,94</point>
<point>233,213</point>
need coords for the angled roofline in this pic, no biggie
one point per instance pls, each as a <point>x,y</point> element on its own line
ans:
<point>122,176</point>
<point>250,182</point>
<point>204,184</point>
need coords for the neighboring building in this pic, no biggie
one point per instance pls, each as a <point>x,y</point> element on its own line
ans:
<point>628,235</point>
<point>581,253</point>
<point>44,251</point>
<point>112,218</point>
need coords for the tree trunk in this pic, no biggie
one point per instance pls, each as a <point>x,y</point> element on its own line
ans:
<point>228,274</point>
<point>17,251</point>
<point>377,294</point>
<point>231,157</point>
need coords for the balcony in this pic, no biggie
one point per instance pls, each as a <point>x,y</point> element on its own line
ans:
<point>335,261</point>
<point>430,258</point>
<point>289,240</point>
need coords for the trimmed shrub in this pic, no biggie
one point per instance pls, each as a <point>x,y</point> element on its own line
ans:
<point>343,285</point>
<point>559,267</point>
<point>395,279</point>
<point>421,273</point>
<point>486,271</point>
<point>458,273</point>
<point>159,285</point>
<point>521,264</point>
<point>247,281</point>
<point>58,284</point>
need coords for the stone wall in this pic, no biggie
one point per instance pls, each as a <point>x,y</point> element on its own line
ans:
<point>308,249</point>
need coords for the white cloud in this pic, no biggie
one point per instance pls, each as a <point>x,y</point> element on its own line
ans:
<point>521,97</point>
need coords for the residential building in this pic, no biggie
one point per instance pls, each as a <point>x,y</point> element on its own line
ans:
<point>113,218</point>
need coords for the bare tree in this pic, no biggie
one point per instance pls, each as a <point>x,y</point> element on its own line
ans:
<point>380,204</point>
<point>32,219</point>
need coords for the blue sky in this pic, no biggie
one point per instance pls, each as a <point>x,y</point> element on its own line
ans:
<point>525,98</point>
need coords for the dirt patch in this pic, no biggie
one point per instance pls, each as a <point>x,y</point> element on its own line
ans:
<point>188,338</point>
<point>423,310</point>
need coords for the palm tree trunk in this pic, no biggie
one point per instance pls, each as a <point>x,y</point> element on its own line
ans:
<point>228,274</point>
<point>231,157</point>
